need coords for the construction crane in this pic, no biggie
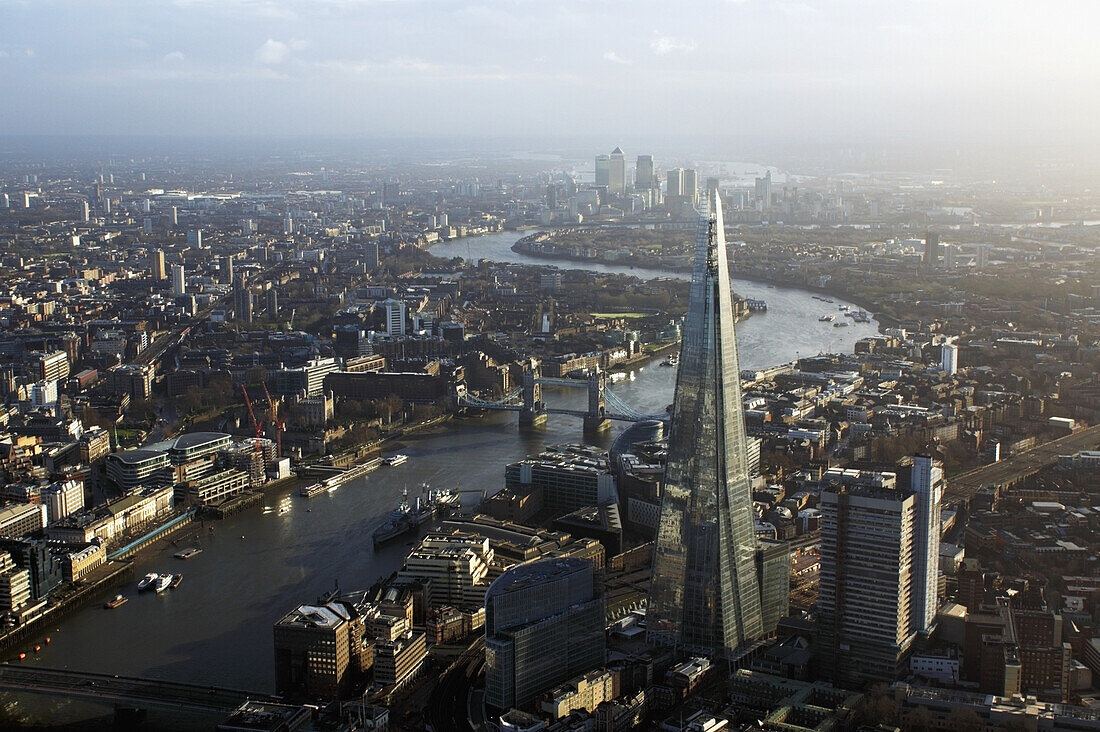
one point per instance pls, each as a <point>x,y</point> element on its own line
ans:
<point>270,401</point>
<point>258,426</point>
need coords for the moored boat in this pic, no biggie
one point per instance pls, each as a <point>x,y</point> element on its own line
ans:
<point>396,526</point>
<point>395,460</point>
<point>421,513</point>
<point>309,491</point>
<point>147,582</point>
<point>114,602</point>
<point>176,579</point>
<point>162,582</point>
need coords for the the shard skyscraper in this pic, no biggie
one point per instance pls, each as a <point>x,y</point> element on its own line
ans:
<point>715,588</point>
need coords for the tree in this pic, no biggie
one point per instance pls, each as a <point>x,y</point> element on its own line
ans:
<point>918,720</point>
<point>965,720</point>
<point>390,406</point>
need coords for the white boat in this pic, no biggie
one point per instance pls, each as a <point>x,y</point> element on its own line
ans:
<point>147,582</point>
<point>394,460</point>
<point>840,325</point>
<point>827,318</point>
<point>163,582</point>
<point>310,491</point>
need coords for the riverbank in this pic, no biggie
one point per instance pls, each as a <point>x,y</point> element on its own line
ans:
<point>110,575</point>
<point>523,246</point>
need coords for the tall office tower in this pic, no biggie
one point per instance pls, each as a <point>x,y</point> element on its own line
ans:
<point>950,256</point>
<point>395,317</point>
<point>179,280</point>
<point>616,176</point>
<point>712,185</point>
<point>643,173</point>
<point>864,606</point>
<point>949,359</point>
<point>544,624</point>
<point>691,186</point>
<point>982,258</point>
<point>147,225</point>
<point>226,268</point>
<point>107,206</point>
<point>603,171</point>
<point>288,224</point>
<point>372,258</point>
<point>242,300</point>
<point>926,482</point>
<point>157,265</point>
<point>879,571</point>
<point>711,578</point>
<point>174,216</point>
<point>931,250</point>
<point>764,191</point>
<point>194,238</point>
<point>675,183</point>
<point>272,298</point>
<point>85,211</point>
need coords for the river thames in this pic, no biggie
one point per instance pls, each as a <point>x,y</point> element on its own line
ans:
<point>216,628</point>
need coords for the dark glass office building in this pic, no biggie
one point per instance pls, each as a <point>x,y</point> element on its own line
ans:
<point>715,588</point>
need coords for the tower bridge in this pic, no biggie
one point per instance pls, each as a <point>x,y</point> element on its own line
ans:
<point>603,404</point>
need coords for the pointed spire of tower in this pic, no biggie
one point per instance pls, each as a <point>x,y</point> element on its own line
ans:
<point>706,594</point>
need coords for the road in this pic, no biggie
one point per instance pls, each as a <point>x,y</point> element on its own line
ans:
<point>1020,466</point>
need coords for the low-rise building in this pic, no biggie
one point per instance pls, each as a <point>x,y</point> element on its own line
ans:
<point>319,650</point>
<point>584,692</point>
<point>397,661</point>
<point>218,487</point>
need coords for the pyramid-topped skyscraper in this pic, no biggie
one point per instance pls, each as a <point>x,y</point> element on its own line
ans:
<point>715,587</point>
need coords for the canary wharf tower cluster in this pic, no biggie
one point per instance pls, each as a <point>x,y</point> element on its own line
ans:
<point>716,589</point>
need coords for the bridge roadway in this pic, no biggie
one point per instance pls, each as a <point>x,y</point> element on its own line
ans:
<point>1020,466</point>
<point>550,410</point>
<point>141,693</point>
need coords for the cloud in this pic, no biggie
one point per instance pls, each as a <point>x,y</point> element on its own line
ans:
<point>275,52</point>
<point>10,52</point>
<point>272,52</point>
<point>174,57</point>
<point>662,45</point>
<point>139,44</point>
<point>411,67</point>
<point>615,58</point>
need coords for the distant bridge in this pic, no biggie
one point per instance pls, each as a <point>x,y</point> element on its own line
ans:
<point>141,693</point>
<point>603,404</point>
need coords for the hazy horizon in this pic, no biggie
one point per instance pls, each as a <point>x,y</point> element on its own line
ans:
<point>916,73</point>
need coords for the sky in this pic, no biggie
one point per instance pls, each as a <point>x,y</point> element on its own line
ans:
<point>781,70</point>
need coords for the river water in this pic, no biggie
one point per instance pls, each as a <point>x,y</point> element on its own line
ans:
<point>216,628</point>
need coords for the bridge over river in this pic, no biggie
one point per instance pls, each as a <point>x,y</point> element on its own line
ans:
<point>603,404</point>
<point>126,691</point>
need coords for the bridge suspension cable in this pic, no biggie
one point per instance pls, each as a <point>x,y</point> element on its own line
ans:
<point>617,405</point>
<point>510,399</point>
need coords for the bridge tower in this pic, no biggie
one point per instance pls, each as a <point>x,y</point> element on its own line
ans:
<point>534,409</point>
<point>595,421</point>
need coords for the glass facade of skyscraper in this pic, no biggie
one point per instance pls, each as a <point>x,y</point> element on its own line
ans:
<point>710,583</point>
